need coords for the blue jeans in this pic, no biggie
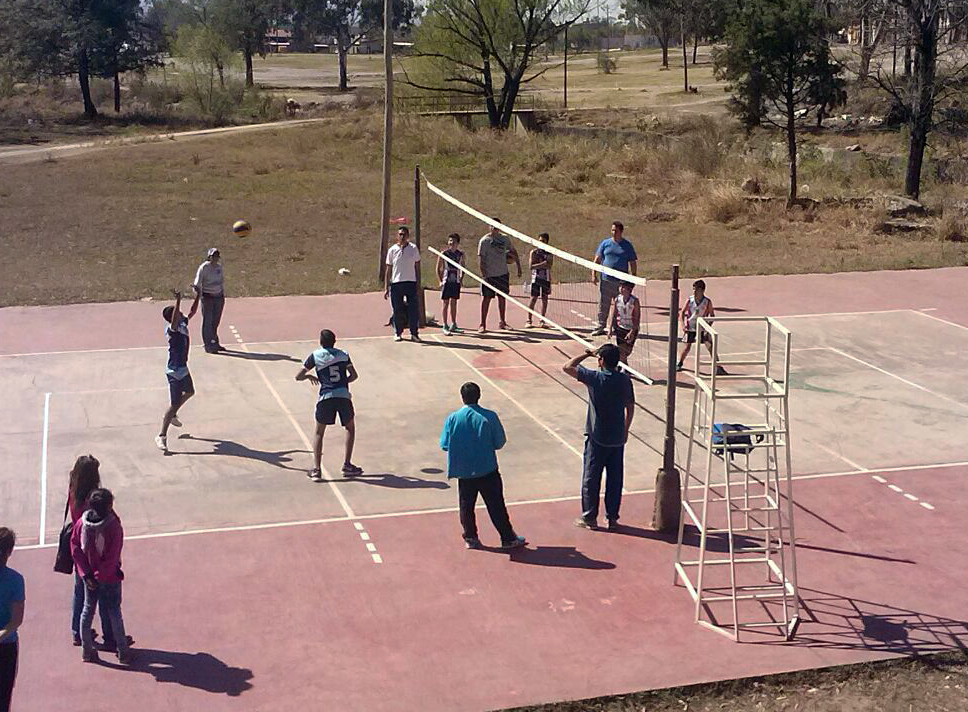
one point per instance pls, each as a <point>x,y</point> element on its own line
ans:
<point>612,461</point>
<point>107,596</point>
<point>403,297</point>
<point>78,606</point>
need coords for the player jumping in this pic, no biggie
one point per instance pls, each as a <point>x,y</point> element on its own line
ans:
<point>180,385</point>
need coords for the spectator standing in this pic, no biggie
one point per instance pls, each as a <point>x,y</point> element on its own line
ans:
<point>11,617</point>
<point>494,253</point>
<point>209,285</point>
<point>619,254</point>
<point>400,284</point>
<point>96,543</point>
<point>470,437</point>
<point>611,407</point>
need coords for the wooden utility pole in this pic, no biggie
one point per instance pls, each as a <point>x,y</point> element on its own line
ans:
<point>416,238</point>
<point>387,131</point>
<point>668,486</point>
<point>566,66</point>
<point>685,63</point>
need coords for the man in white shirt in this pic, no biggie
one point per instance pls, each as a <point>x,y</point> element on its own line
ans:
<point>208,285</point>
<point>400,284</point>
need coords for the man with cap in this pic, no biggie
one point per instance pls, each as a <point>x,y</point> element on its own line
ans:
<point>208,285</point>
<point>611,407</point>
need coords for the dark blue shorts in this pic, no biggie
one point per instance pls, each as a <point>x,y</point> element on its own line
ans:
<point>450,290</point>
<point>179,387</point>
<point>691,337</point>
<point>540,288</point>
<point>327,409</point>
<point>501,282</point>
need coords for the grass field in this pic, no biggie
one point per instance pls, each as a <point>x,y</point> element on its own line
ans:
<point>131,222</point>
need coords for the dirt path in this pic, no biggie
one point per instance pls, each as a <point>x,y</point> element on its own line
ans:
<point>33,154</point>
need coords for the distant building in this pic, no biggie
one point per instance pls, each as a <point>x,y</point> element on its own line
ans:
<point>278,40</point>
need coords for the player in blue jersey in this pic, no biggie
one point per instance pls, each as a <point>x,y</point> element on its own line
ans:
<point>334,374</point>
<point>180,385</point>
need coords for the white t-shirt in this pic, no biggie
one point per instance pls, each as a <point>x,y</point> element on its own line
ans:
<point>403,263</point>
<point>208,278</point>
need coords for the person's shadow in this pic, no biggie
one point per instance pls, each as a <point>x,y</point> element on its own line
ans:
<point>393,481</point>
<point>202,671</point>
<point>256,356</point>
<point>230,448</point>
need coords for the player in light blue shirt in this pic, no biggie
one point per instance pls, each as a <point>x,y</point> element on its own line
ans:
<point>334,374</point>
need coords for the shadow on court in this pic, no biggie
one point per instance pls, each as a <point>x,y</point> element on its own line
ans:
<point>459,345</point>
<point>253,356</point>
<point>201,671</point>
<point>566,557</point>
<point>392,481</point>
<point>230,448</point>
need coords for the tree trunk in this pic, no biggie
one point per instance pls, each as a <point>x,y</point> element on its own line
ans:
<point>83,76</point>
<point>695,47</point>
<point>493,115</point>
<point>791,131</point>
<point>342,49</point>
<point>866,52</point>
<point>925,68</point>
<point>249,78</point>
<point>509,95</point>
<point>117,92</point>
<point>685,66</point>
<point>221,74</point>
<point>664,42</point>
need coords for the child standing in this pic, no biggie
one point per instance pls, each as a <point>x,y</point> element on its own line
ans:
<point>697,306</point>
<point>625,320</point>
<point>96,543</point>
<point>451,281</point>
<point>540,279</point>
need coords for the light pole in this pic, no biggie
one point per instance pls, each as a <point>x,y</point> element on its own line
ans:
<point>566,66</point>
<point>387,130</point>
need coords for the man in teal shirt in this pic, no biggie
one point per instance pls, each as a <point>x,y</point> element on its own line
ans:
<point>470,437</point>
<point>11,616</point>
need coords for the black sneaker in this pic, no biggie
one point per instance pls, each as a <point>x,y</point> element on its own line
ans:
<point>350,469</point>
<point>515,543</point>
<point>583,523</point>
<point>109,646</point>
<point>720,371</point>
<point>472,543</point>
<point>678,367</point>
<point>613,525</point>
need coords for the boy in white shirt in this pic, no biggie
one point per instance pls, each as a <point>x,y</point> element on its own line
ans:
<point>625,320</point>
<point>697,306</point>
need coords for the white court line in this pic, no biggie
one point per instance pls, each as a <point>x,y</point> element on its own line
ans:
<point>302,434</point>
<point>895,488</point>
<point>507,395</point>
<point>899,378</point>
<point>878,479</point>
<point>445,510</point>
<point>910,496</point>
<point>943,321</point>
<point>856,313</point>
<point>43,472</point>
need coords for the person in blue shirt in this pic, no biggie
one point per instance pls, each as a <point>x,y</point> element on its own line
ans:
<point>11,616</point>
<point>470,437</point>
<point>180,384</point>
<point>611,407</point>
<point>617,253</point>
<point>334,374</point>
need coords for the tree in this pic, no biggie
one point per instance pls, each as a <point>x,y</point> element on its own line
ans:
<point>785,43</point>
<point>938,71</point>
<point>57,38</point>
<point>661,17</point>
<point>486,48</point>
<point>245,24</point>
<point>131,41</point>
<point>349,21</point>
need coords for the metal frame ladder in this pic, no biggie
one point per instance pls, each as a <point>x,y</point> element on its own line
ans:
<point>745,576</point>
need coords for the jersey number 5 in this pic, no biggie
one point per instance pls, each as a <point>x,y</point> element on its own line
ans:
<point>335,376</point>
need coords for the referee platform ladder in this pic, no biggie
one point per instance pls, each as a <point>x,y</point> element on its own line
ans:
<point>737,487</point>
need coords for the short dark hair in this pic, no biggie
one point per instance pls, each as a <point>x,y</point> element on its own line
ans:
<point>327,338</point>
<point>7,541</point>
<point>470,393</point>
<point>609,354</point>
<point>404,228</point>
<point>699,284</point>
<point>544,236</point>
<point>101,501</point>
<point>618,224</point>
<point>168,312</point>
<point>454,236</point>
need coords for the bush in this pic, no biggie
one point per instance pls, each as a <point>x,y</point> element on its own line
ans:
<point>607,64</point>
<point>156,96</point>
<point>723,204</point>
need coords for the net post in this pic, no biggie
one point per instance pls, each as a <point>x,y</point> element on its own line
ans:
<point>668,496</point>
<point>416,238</point>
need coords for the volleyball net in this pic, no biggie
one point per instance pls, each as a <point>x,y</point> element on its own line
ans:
<point>558,290</point>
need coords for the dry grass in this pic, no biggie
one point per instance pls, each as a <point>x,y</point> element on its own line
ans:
<point>935,683</point>
<point>131,222</point>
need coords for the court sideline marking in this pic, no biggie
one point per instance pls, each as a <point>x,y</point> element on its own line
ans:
<point>444,510</point>
<point>43,472</point>
<point>350,515</point>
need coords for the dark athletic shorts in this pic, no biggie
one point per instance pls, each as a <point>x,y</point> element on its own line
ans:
<point>178,387</point>
<point>620,341</point>
<point>327,409</point>
<point>502,282</point>
<point>450,290</point>
<point>691,337</point>
<point>540,288</point>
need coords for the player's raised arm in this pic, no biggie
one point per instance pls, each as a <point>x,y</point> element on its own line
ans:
<point>175,313</point>
<point>571,368</point>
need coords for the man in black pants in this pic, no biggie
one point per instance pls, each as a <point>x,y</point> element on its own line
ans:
<point>471,437</point>
<point>400,284</point>
<point>11,616</point>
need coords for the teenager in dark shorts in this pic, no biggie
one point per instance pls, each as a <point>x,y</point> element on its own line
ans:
<point>451,280</point>
<point>697,306</point>
<point>540,280</point>
<point>180,385</point>
<point>494,253</point>
<point>334,374</point>
<point>625,320</point>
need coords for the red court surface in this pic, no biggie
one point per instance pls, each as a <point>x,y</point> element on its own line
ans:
<point>247,588</point>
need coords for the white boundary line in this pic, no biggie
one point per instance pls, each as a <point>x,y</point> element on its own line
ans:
<point>943,321</point>
<point>511,398</point>
<point>444,510</point>
<point>43,472</point>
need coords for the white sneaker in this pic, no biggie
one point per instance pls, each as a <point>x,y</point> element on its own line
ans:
<point>397,337</point>
<point>162,442</point>
<point>175,421</point>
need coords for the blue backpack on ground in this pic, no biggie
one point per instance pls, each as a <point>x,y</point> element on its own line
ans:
<point>738,441</point>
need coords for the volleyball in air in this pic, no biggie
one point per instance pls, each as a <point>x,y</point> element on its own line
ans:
<point>241,228</point>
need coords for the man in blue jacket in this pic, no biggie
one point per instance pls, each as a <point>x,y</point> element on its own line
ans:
<point>471,437</point>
